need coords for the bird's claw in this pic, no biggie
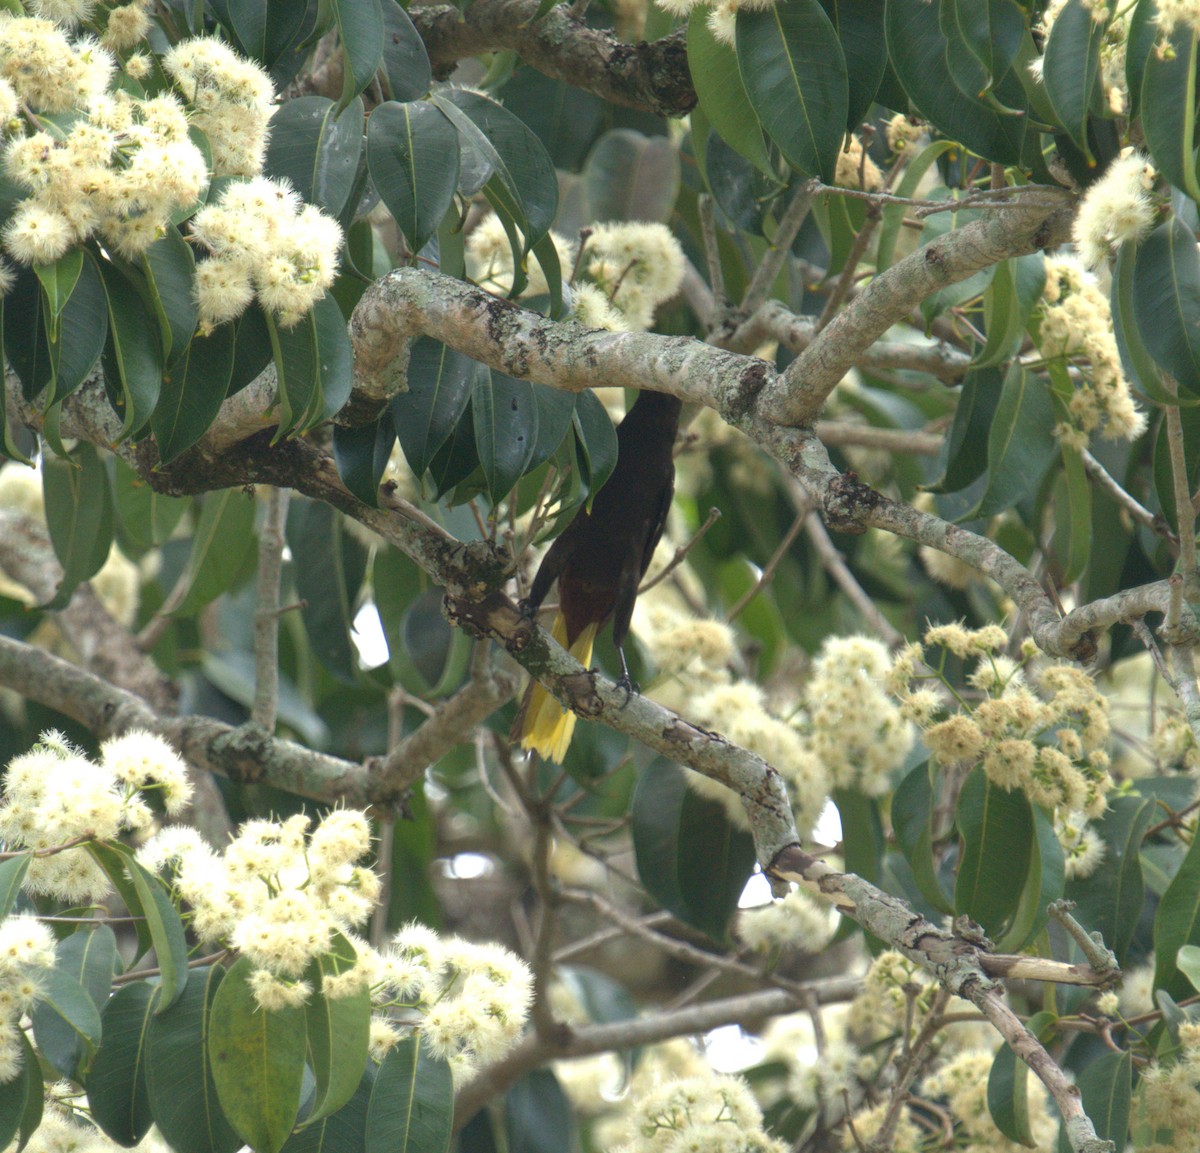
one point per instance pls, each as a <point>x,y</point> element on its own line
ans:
<point>631,687</point>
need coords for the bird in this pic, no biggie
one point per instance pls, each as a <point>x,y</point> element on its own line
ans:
<point>599,561</point>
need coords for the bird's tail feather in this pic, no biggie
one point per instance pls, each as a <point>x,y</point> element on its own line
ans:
<point>545,726</point>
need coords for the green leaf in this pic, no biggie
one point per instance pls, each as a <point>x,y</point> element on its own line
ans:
<point>1112,899</point>
<point>257,1061</point>
<point>1169,110</point>
<point>690,858</point>
<point>413,155</point>
<point>910,181</point>
<point>193,391</point>
<point>1007,1088</point>
<point>166,931</point>
<point>360,30</point>
<point>253,349</point>
<point>1106,1086</point>
<point>170,271</point>
<point>82,332</point>
<point>133,354</point>
<point>991,30</point>
<point>1021,441</point>
<point>296,372</point>
<point>538,1117</point>
<point>555,409</point>
<point>223,536</point>
<point>1044,882</point>
<point>1071,67</point>
<point>917,51</point>
<point>964,452</point>
<point>1187,960</point>
<point>1177,923</point>
<point>1008,302</point>
<point>58,281</point>
<point>524,184</point>
<point>15,1093</point>
<point>25,346</point>
<point>12,874</point>
<point>116,1084</point>
<point>79,515</point>
<point>566,119</point>
<point>439,387</point>
<point>339,1031</point>
<point>111,858</point>
<point>506,429</point>
<point>406,70</point>
<point>1136,360</point>
<point>795,76</point>
<point>912,819</point>
<point>145,518</point>
<point>1078,522</point>
<point>334,359</point>
<point>1166,301</point>
<point>317,149</point>
<point>1140,42</point>
<point>343,1132</point>
<point>183,1094</point>
<point>31,1118</point>
<point>629,176</point>
<point>247,20</point>
<point>996,828</point>
<point>64,1002</point>
<point>597,440</point>
<point>362,455</point>
<point>329,589</point>
<point>859,27</point>
<point>412,1103</point>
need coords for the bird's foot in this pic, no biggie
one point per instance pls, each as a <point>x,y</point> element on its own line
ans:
<point>631,687</point>
<point>526,609</point>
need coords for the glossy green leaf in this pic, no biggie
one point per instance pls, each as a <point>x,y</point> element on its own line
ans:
<point>964,453</point>
<point>252,349</point>
<point>1111,900</point>
<point>223,536</point>
<point>1169,110</point>
<point>538,1117</point>
<point>859,28</point>
<point>1106,1086</point>
<point>25,346</point>
<point>79,515</point>
<point>344,1131</point>
<point>1044,881</point>
<point>145,518</point>
<point>116,1084</point>
<point>1176,924</point>
<point>1071,67</point>
<point>629,176</point>
<point>597,441</point>
<point>193,390</point>
<point>1078,521</point>
<point>794,72</point>
<point>12,874</point>
<point>555,409</point>
<point>66,1022</point>
<point>183,1094</point>
<point>362,455</point>
<point>566,119</point>
<point>912,819</point>
<point>297,374</point>
<point>112,859</point>
<point>1139,44</point>
<point>166,931</point>
<point>15,1092</point>
<point>339,1030</point>
<point>247,20</point>
<point>506,428</point>
<point>689,856</point>
<point>996,828</point>
<point>910,181</point>
<point>406,70</point>
<point>257,1061</point>
<point>1139,365</point>
<point>1021,442</point>
<point>1008,302</point>
<point>413,155</point>
<point>412,1103</point>
<point>58,281</point>
<point>1187,960</point>
<point>133,355</point>
<point>360,30</point>
<point>170,271</point>
<point>1007,1088</point>
<point>317,149</point>
<point>439,386</point>
<point>524,182</point>
<point>329,591</point>
<point>991,30</point>
<point>1166,301</point>
<point>334,360</point>
<point>917,51</point>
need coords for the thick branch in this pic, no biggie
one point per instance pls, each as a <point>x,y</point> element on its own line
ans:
<point>653,77</point>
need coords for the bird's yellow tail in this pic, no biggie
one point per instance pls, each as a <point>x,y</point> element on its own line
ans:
<point>547,726</point>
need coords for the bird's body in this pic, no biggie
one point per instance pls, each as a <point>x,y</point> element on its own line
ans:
<point>600,558</point>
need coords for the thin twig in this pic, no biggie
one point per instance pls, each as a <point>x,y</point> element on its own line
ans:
<point>712,252</point>
<point>1185,521</point>
<point>1104,480</point>
<point>714,515</point>
<point>768,572</point>
<point>266,610</point>
<point>772,260</point>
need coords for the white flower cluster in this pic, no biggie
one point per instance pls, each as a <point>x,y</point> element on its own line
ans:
<point>1173,13</point>
<point>232,100</point>
<point>722,16</point>
<point>799,921</point>
<point>26,948</point>
<point>119,172</point>
<point>277,894</point>
<point>63,1128</point>
<point>54,794</point>
<point>630,268</point>
<point>1116,209</point>
<point>263,241</point>
<point>45,70</point>
<point>469,1001</point>
<point>708,1113</point>
<point>1076,322</point>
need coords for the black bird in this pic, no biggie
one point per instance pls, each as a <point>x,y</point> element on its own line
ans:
<point>600,558</point>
